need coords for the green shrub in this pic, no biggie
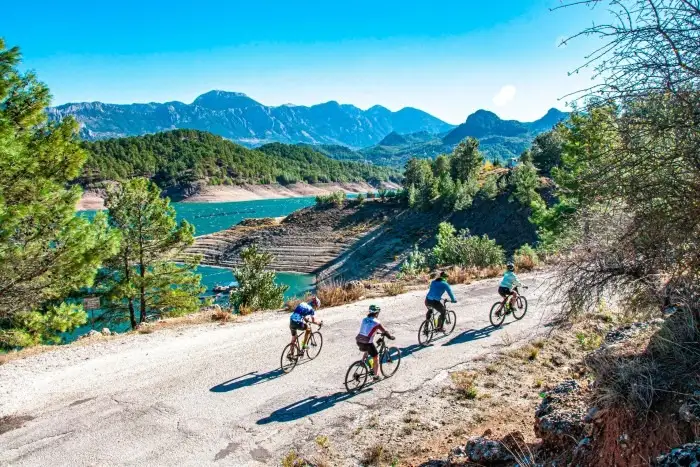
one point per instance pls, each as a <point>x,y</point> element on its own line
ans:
<point>462,249</point>
<point>257,289</point>
<point>361,198</point>
<point>415,264</point>
<point>336,198</point>
<point>28,329</point>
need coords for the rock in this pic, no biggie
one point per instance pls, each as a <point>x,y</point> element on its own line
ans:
<point>593,414</point>
<point>92,333</point>
<point>624,333</point>
<point>486,451</point>
<point>687,455</point>
<point>106,332</point>
<point>559,418</point>
<point>584,442</point>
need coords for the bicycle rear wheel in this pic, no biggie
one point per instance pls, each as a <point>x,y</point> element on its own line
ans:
<point>520,307</point>
<point>289,358</point>
<point>450,322</point>
<point>356,377</point>
<point>425,332</point>
<point>390,361</point>
<point>497,314</point>
<point>314,345</point>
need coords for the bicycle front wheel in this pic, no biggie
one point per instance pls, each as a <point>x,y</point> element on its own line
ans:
<point>356,377</point>
<point>289,358</point>
<point>497,314</point>
<point>425,332</point>
<point>314,345</point>
<point>450,322</point>
<point>390,361</point>
<point>520,307</point>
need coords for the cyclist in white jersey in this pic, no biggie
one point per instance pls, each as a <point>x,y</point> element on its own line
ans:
<point>365,338</point>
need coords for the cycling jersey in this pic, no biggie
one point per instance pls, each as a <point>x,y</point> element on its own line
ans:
<point>367,329</point>
<point>510,280</point>
<point>437,288</point>
<point>301,311</point>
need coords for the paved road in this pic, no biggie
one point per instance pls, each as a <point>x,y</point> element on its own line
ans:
<point>213,394</point>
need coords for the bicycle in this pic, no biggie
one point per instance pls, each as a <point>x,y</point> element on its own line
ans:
<point>427,327</point>
<point>499,310</point>
<point>359,371</point>
<point>292,353</point>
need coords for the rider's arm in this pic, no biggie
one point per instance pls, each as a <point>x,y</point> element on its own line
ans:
<point>381,329</point>
<point>449,292</point>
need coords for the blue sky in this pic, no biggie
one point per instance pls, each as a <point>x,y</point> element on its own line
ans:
<point>446,57</point>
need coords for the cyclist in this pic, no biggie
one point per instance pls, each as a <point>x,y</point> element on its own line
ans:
<point>365,338</point>
<point>298,322</point>
<point>433,300</point>
<point>509,281</point>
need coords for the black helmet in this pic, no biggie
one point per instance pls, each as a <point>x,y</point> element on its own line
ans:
<point>374,310</point>
<point>510,266</point>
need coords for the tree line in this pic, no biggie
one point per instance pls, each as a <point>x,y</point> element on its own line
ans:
<point>181,157</point>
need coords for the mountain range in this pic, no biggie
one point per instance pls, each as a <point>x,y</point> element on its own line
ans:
<point>338,130</point>
<point>239,118</point>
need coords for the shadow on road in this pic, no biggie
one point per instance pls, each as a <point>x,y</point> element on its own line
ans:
<point>411,349</point>
<point>472,335</point>
<point>308,406</point>
<point>249,379</point>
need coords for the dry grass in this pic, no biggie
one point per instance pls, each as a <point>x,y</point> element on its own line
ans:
<point>221,315</point>
<point>460,275</point>
<point>394,288</point>
<point>376,455</point>
<point>339,293</point>
<point>465,384</point>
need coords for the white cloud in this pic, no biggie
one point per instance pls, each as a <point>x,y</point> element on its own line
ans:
<point>504,96</point>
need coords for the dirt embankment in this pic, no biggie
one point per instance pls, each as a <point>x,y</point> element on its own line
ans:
<point>359,241</point>
<point>94,199</point>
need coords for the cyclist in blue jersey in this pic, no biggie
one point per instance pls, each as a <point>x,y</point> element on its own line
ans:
<point>509,281</point>
<point>298,321</point>
<point>433,300</point>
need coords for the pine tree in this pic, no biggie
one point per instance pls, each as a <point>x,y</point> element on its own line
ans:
<point>466,161</point>
<point>256,283</point>
<point>46,251</point>
<point>152,238</point>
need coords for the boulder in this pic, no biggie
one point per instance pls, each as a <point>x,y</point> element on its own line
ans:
<point>687,455</point>
<point>106,332</point>
<point>560,417</point>
<point>493,452</point>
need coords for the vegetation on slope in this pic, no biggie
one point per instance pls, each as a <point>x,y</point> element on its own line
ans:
<point>180,157</point>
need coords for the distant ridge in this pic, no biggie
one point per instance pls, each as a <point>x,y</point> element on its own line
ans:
<point>240,118</point>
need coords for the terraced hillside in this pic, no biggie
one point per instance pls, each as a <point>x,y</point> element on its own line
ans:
<point>357,241</point>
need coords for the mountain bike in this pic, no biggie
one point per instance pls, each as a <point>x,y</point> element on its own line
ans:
<point>499,310</point>
<point>292,353</point>
<point>359,371</point>
<point>428,327</point>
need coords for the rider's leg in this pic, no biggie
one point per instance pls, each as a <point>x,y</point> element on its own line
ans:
<point>307,333</point>
<point>441,318</point>
<point>375,366</point>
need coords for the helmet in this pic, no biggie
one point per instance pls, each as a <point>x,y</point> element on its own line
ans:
<point>315,302</point>
<point>510,266</point>
<point>374,310</point>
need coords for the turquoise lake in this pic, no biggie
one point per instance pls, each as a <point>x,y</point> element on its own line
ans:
<point>212,217</point>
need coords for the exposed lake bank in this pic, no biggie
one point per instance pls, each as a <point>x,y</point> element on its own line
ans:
<point>94,199</point>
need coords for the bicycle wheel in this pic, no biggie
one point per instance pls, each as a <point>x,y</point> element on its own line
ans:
<point>314,345</point>
<point>520,307</point>
<point>390,361</point>
<point>356,377</point>
<point>425,332</point>
<point>450,322</point>
<point>289,358</point>
<point>497,315</point>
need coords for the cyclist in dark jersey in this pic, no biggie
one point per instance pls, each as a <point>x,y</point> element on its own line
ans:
<point>433,300</point>
<point>298,321</point>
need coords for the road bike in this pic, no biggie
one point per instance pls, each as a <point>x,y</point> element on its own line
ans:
<point>359,371</point>
<point>292,353</point>
<point>428,327</point>
<point>499,310</point>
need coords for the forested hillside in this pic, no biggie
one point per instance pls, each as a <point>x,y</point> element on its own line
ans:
<point>184,156</point>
